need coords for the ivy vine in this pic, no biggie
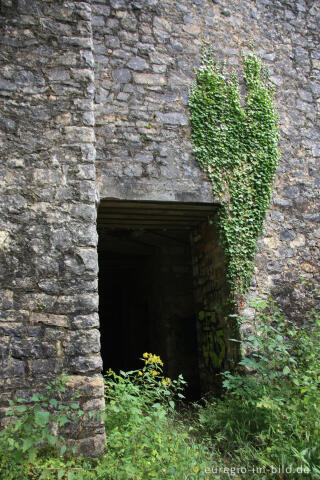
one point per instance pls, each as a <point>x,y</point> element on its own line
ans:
<point>235,141</point>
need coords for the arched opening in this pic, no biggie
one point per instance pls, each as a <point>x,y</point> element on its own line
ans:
<point>156,279</point>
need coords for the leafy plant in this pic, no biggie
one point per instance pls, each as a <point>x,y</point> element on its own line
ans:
<point>270,413</point>
<point>145,438</point>
<point>237,146</point>
<point>34,426</point>
<point>266,423</point>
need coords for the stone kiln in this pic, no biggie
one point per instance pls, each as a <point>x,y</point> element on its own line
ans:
<point>93,99</point>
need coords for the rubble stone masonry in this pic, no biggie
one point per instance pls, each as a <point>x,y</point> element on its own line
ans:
<point>94,102</point>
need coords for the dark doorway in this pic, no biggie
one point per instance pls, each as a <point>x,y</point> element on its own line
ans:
<point>146,286</point>
<point>124,308</point>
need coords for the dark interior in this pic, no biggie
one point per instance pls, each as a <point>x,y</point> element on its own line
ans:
<point>146,301</point>
<point>124,308</point>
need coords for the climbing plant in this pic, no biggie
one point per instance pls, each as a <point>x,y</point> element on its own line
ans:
<point>235,140</point>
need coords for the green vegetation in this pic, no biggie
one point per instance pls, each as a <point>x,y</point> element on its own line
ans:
<point>271,417</point>
<point>31,431</point>
<point>237,146</point>
<point>145,438</point>
<point>266,425</point>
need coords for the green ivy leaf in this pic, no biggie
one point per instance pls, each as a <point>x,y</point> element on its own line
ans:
<point>42,417</point>
<point>235,142</point>
<point>286,370</point>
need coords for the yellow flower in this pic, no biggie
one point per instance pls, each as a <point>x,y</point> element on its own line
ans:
<point>154,372</point>
<point>140,373</point>
<point>151,358</point>
<point>154,359</point>
<point>166,382</point>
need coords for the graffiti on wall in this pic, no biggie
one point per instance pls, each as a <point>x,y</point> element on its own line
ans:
<point>213,345</point>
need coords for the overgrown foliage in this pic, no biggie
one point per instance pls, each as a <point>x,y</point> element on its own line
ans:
<point>145,437</point>
<point>266,426</point>
<point>32,428</point>
<point>237,146</point>
<point>269,420</point>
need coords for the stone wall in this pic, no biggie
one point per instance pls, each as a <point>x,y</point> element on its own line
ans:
<point>49,302</point>
<point>143,69</point>
<point>145,53</point>
<point>135,90</point>
<point>211,293</point>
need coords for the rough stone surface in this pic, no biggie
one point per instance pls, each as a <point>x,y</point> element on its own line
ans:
<point>216,352</point>
<point>153,120</point>
<point>93,98</point>
<point>48,237</point>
